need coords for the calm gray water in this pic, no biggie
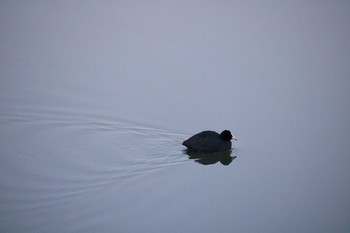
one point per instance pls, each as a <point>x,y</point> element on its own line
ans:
<point>97,97</point>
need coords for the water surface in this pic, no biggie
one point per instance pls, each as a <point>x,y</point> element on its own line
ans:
<point>96,99</point>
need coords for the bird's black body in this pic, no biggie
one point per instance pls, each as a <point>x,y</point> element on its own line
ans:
<point>209,141</point>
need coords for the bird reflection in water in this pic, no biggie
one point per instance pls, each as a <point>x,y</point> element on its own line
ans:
<point>224,158</point>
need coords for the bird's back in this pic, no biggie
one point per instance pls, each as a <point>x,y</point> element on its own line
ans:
<point>207,141</point>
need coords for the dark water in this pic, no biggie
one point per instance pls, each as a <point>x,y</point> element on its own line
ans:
<point>96,99</point>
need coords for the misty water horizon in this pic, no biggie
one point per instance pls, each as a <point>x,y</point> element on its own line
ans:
<point>97,97</point>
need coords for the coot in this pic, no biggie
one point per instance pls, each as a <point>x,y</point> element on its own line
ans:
<point>210,141</point>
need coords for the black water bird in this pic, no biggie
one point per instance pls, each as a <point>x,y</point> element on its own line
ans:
<point>210,141</point>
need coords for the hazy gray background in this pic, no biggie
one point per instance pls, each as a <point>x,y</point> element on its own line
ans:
<point>117,85</point>
<point>223,60</point>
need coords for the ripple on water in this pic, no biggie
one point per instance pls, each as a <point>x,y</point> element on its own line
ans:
<point>53,156</point>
